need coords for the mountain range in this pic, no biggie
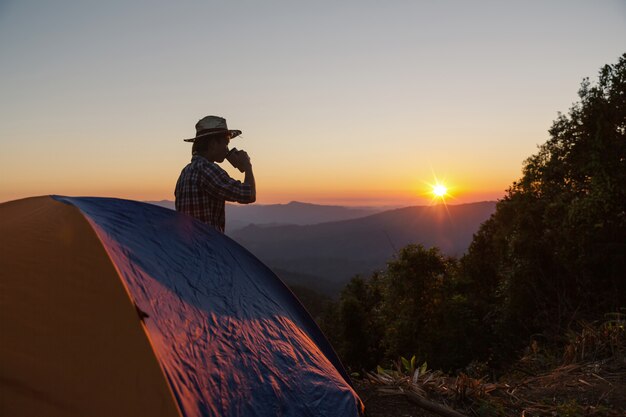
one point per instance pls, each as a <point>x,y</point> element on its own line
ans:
<point>336,251</point>
<point>293,213</point>
<point>322,247</point>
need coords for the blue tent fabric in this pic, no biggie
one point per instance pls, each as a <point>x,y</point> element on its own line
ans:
<point>231,338</point>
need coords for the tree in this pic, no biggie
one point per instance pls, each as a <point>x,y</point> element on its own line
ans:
<point>419,288</point>
<point>553,251</point>
<point>354,326</point>
<point>555,247</point>
<point>410,308</point>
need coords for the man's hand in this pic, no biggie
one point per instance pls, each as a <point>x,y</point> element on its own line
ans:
<point>240,160</point>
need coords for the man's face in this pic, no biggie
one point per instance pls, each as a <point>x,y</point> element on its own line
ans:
<point>221,148</point>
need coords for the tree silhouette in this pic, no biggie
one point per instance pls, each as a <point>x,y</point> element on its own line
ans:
<point>554,249</point>
<point>553,252</point>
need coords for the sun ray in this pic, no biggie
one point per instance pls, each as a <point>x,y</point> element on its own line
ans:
<point>439,191</point>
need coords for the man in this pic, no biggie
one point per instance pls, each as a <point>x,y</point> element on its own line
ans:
<point>203,187</point>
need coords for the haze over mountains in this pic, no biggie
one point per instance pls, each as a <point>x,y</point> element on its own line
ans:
<point>322,247</point>
<point>336,251</point>
<point>295,212</point>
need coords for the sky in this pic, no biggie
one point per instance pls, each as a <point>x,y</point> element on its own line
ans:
<point>340,102</point>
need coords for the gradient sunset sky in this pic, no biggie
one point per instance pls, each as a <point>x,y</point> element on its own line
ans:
<point>340,102</point>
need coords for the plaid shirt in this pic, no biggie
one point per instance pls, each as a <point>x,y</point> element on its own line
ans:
<point>202,189</point>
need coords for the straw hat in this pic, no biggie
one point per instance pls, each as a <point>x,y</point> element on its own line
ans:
<point>212,125</point>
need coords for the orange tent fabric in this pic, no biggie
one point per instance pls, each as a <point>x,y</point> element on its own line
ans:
<point>71,344</point>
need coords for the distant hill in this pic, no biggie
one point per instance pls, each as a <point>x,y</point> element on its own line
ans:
<point>338,250</point>
<point>322,247</point>
<point>295,213</point>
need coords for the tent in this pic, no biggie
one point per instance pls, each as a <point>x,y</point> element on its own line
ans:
<point>112,307</point>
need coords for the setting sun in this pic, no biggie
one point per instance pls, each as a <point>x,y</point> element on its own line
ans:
<point>439,190</point>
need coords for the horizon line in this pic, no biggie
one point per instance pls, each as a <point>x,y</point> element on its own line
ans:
<point>399,205</point>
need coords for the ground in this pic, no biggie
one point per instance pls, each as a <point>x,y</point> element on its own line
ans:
<point>574,390</point>
<point>384,405</point>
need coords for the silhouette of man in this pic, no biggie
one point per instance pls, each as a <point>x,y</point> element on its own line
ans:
<point>203,187</point>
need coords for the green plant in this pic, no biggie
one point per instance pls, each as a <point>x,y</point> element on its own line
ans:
<point>409,365</point>
<point>570,409</point>
<point>484,408</point>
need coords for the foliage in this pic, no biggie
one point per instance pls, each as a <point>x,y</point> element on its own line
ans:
<point>314,301</point>
<point>597,341</point>
<point>555,248</point>
<point>553,253</point>
<point>410,307</point>
<point>419,296</point>
<point>353,325</point>
<point>570,408</point>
